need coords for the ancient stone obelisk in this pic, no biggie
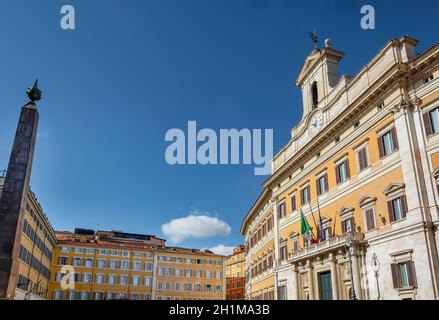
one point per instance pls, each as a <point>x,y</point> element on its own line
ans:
<point>14,196</point>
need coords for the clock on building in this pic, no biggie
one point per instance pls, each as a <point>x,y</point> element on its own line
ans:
<point>316,123</point>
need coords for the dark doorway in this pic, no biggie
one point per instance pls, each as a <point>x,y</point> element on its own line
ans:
<point>325,286</point>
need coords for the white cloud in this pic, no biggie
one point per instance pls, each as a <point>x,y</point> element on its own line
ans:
<point>195,226</point>
<point>222,250</point>
<point>42,135</point>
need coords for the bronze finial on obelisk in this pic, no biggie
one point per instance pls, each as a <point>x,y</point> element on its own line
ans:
<point>13,199</point>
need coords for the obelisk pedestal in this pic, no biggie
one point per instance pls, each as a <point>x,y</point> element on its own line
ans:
<point>14,195</point>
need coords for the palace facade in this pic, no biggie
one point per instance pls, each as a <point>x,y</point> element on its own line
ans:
<point>111,265</point>
<point>363,167</point>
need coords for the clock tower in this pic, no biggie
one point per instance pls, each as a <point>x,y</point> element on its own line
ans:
<point>318,76</point>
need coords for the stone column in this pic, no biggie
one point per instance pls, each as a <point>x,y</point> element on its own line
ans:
<point>356,276</point>
<point>276,247</point>
<point>309,270</point>
<point>334,277</point>
<point>295,283</point>
<point>419,189</point>
<point>14,198</point>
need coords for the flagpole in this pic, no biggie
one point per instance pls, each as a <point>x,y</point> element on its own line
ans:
<point>315,224</point>
<point>333,229</point>
<point>320,221</point>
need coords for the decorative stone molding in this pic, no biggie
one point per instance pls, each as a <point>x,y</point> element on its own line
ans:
<point>367,201</point>
<point>346,212</point>
<point>294,235</point>
<point>394,189</point>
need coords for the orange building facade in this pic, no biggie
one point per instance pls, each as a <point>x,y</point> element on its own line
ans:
<point>109,265</point>
<point>235,274</point>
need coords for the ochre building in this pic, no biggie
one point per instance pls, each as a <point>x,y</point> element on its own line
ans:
<point>107,265</point>
<point>363,166</point>
<point>235,274</point>
<point>35,254</point>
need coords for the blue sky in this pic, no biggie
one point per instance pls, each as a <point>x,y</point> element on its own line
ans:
<point>134,69</point>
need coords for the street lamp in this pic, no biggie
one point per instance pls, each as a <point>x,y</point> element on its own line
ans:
<point>376,269</point>
<point>349,245</point>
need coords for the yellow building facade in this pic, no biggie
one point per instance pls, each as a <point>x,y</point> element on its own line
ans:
<point>35,254</point>
<point>363,167</point>
<point>235,274</point>
<point>110,265</point>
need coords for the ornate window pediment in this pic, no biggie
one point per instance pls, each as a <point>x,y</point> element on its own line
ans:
<point>394,188</point>
<point>346,212</point>
<point>294,235</point>
<point>326,222</point>
<point>366,201</point>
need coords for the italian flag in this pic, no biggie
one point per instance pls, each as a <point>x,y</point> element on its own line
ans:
<point>305,229</point>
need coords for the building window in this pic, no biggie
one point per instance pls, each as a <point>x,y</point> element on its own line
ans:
<point>98,296</point>
<point>114,253</point>
<point>269,224</point>
<point>86,278</point>
<point>148,267</point>
<point>314,94</point>
<point>282,292</point>
<point>326,234</point>
<point>295,245</point>
<point>304,195</point>
<point>62,261</point>
<point>397,208</point>
<point>112,279</point>
<point>125,265</point>
<point>137,265</point>
<point>147,296</point>
<point>85,295</point>
<point>73,295</point>
<point>428,79</point>
<point>58,295</point>
<point>283,251</point>
<point>135,280</point>
<point>113,264</point>
<point>100,278</point>
<point>363,159</point>
<point>322,184</point>
<point>124,280</point>
<point>148,281</point>
<point>77,262</point>
<point>369,217</point>
<point>88,263</point>
<point>431,121</point>
<point>101,263</point>
<point>388,143</point>
<point>281,208</point>
<point>404,275</point>
<point>347,225</point>
<point>293,202</point>
<point>342,171</point>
